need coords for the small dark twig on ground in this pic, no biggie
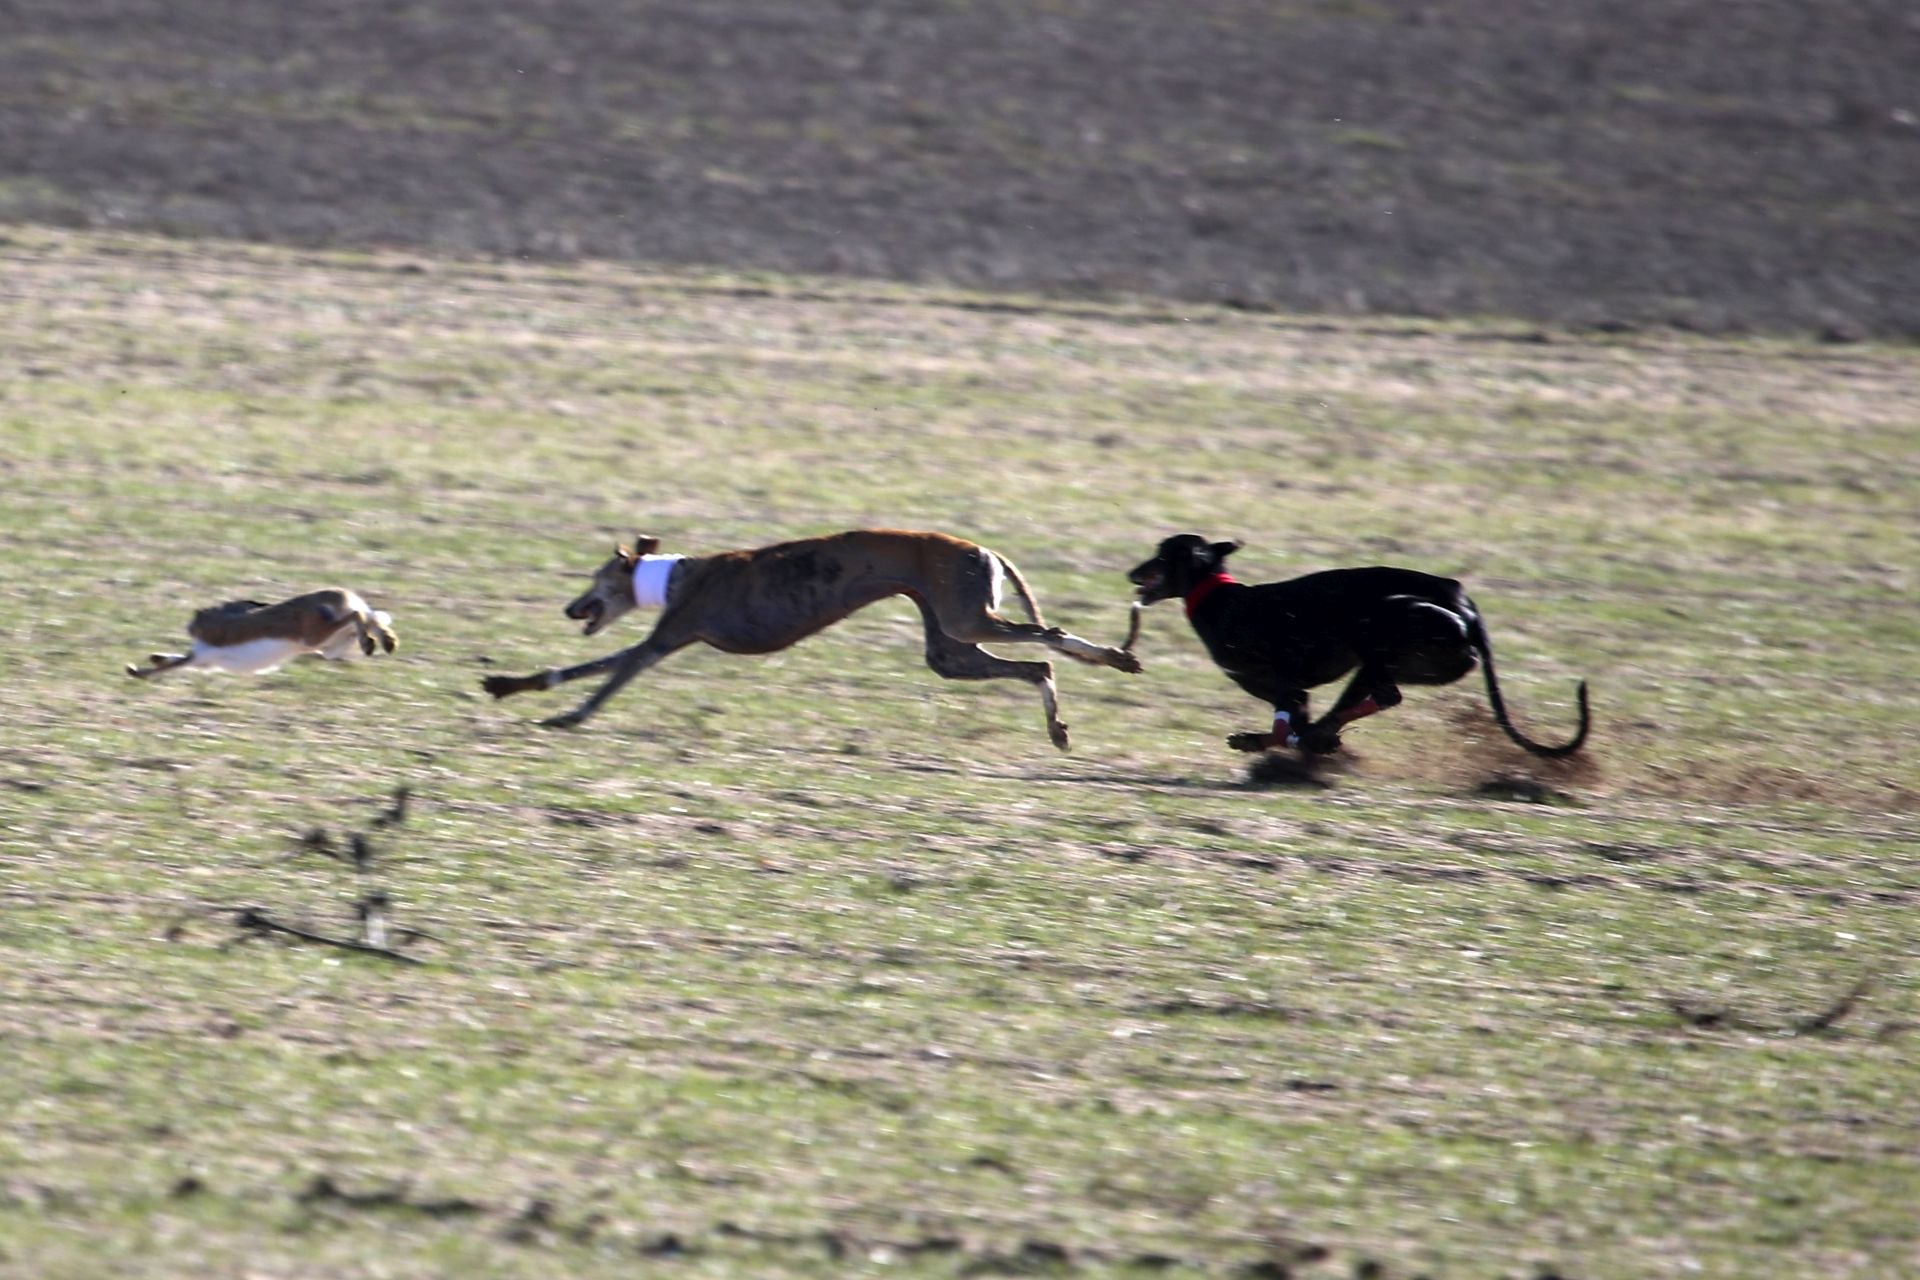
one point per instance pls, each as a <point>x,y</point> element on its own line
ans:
<point>252,920</point>
<point>1830,1016</point>
<point>1709,1016</point>
<point>396,813</point>
<point>324,1190</point>
<point>378,933</point>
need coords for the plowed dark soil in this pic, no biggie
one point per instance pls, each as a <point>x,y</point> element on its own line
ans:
<point>1665,162</point>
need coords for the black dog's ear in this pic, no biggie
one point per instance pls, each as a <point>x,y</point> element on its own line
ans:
<point>1221,550</point>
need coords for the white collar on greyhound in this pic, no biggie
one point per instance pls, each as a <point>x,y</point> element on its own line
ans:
<point>651,576</point>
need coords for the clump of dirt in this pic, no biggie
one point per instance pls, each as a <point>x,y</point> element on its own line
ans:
<point>1487,764</point>
<point>1740,783</point>
<point>1279,769</point>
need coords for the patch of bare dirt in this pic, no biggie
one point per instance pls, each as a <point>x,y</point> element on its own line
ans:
<point>1279,769</point>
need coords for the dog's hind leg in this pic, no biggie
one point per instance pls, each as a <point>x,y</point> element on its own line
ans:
<point>1369,692</point>
<point>971,615</point>
<point>1429,644</point>
<point>959,660</point>
<point>991,628</point>
<point>1098,655</point>
<point>1412,641</point>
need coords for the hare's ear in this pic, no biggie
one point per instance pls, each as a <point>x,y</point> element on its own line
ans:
<point>645,544</point>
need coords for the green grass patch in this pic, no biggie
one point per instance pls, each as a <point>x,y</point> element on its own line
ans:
<point>815,965</point>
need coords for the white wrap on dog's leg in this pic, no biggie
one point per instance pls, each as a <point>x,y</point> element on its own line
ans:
<point>651,577</point>
<point>1283,729</point>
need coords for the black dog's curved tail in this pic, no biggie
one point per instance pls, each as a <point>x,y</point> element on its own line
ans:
<point>1567,748</point>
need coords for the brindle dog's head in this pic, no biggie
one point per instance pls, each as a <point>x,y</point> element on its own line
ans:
<point>612,591</point>
<point>1182,563</point>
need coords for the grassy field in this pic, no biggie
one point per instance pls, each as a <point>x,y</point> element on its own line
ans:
<point>817,965</point>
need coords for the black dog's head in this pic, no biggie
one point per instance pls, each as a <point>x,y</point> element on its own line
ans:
<point>1183,562</point>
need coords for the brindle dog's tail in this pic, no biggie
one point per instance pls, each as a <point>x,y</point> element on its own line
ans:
<point>1126,661</point>
<point>1020,588</point>
<point>1477,636</point>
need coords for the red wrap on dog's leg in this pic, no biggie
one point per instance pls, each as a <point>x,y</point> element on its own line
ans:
<point>1358,711</point>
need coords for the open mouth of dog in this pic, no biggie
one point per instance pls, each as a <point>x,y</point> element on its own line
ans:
<point>590,612</point>
<point>1147,588</point>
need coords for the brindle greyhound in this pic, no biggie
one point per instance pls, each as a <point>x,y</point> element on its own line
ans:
<point>767,598</point>
<point>1276,640</point>
<point>250,637</point>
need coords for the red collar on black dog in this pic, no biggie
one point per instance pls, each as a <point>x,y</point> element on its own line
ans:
<point>1204,588</point>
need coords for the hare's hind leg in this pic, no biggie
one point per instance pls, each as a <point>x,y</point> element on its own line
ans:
<point>160,662</point>
<point>381,624</point>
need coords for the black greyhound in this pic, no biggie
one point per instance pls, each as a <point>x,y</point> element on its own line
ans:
<point>1276,640</point>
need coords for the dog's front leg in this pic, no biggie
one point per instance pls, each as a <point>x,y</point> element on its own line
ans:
<point>1289,721</point>
<point>507,686</point>
<point>631,663</point>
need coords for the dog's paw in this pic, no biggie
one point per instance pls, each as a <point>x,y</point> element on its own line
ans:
<point>1320,740</point>
<point>1255,742</point>
<point>504,686</point>
<point>571,719</point>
